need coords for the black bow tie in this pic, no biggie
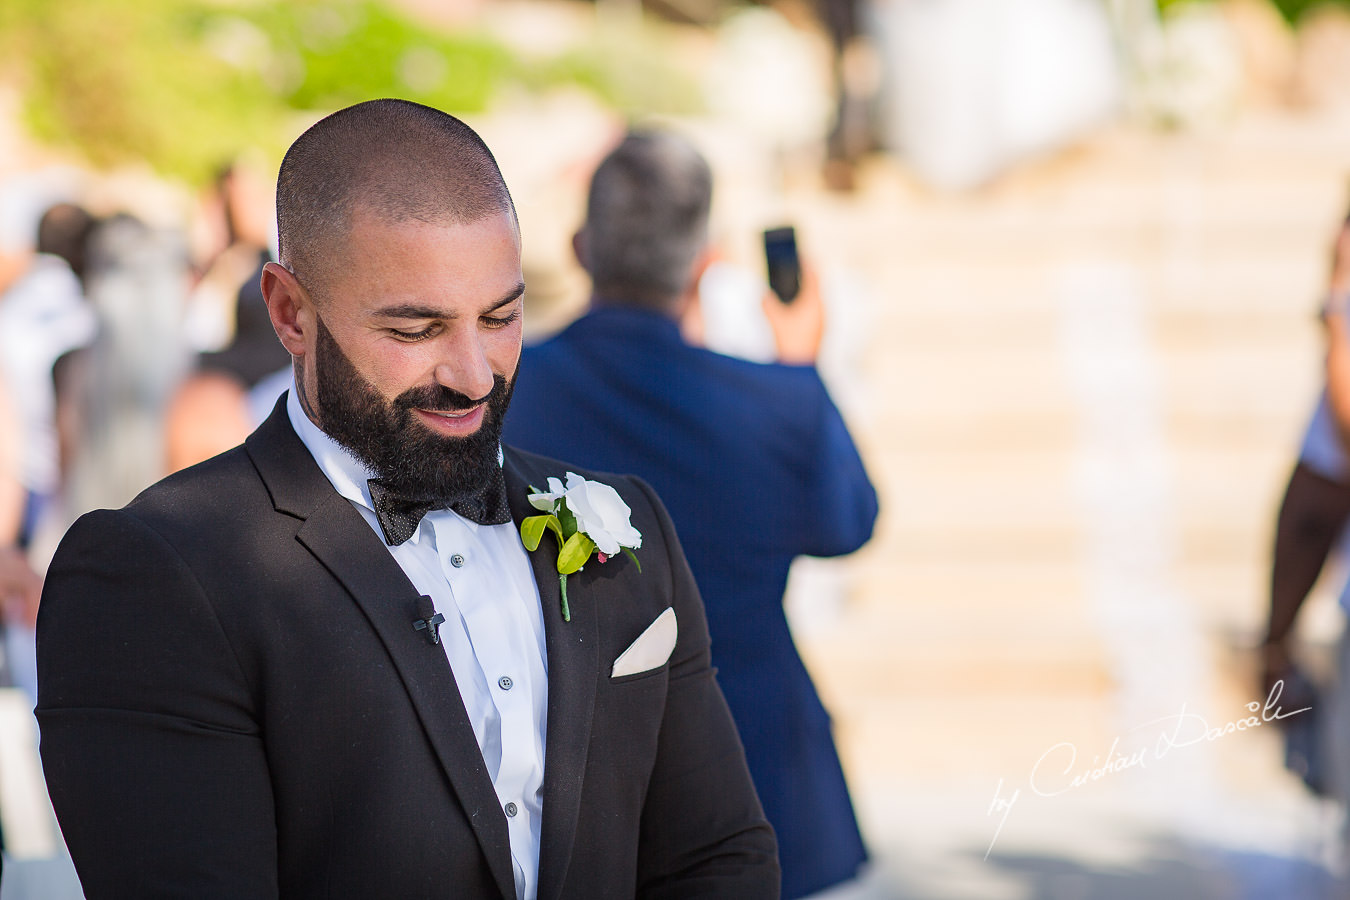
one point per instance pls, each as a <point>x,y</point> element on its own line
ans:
<point>399,514</point>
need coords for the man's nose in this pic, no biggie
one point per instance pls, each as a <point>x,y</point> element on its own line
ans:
<point>464,367</point>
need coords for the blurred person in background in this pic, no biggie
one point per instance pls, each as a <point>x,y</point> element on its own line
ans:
<point>44,318</point>
<point>231,238</point>
<point>1316,504</point>
<point>1310,525</point>
<point>35,864</point>
<point>853,132</point>
<point>235,383</point>
<point>753,459</point>
<point>119,388</point>
<point>231,390</point>
<point>20,586</point>
<point>44,315</point>
<point>13,496</point>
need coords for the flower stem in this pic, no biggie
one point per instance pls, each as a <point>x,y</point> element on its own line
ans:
<point>562,583</point>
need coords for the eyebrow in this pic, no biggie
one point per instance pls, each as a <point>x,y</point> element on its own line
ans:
<point>418,311</point>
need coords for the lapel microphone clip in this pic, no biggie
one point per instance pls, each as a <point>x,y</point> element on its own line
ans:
<point>430,622</point>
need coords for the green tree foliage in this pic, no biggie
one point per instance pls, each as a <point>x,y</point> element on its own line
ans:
<point>185,84</point>
<point>128,81</point>
<point>1292,10</point>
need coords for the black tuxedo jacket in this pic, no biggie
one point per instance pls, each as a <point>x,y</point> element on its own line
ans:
<point>234,703</point>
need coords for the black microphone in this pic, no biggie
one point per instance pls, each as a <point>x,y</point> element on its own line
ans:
<point>430,623</point>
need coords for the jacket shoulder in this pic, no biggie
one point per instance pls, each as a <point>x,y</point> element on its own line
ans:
<point>217,490</point>
<point>231,466</point>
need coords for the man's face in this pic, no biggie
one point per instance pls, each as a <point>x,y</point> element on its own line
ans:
<point>414,346</point>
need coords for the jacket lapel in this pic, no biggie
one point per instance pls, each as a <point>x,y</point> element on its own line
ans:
<point>572,670</point>
<point>337,535</point>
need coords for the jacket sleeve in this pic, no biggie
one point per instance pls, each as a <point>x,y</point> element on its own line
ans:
<point>703,832</point>
<point>151,751</point>
<point>843,505</point>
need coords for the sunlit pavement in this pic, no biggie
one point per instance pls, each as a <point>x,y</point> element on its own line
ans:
<point>1080,393</point>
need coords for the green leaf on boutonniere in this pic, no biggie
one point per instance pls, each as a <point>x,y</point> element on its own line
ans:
<point>579,514</point>
<point>633,556</point>
<point>566,520</point>
<point>575,551</point>
<point>532,531</point>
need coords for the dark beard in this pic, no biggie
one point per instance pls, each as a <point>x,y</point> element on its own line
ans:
<point>386,437</point>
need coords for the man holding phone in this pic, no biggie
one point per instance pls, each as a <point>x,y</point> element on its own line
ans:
<point>754,461</point>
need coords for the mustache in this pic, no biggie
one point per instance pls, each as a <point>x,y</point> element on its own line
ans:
<point>439,398</point>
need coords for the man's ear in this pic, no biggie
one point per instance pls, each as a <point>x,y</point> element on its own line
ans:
<point>706,257</point>
<point>287,305</point>
<point>579,248</point>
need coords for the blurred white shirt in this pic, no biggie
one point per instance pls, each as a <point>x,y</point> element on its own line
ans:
<point>42,316</point>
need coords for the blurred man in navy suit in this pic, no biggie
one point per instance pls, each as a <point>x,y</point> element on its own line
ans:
<point>754,461</point>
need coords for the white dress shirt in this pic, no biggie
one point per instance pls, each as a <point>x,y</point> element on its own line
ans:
<point>480,579</point>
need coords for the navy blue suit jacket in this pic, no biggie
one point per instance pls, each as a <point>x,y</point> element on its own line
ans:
<point>756,467</point>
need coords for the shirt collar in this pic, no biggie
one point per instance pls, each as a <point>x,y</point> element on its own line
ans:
<point>346,473</point>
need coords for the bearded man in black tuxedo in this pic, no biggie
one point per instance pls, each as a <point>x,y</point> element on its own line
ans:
<point>322,664</point>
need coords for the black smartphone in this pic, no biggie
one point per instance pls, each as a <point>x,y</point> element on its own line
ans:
<point>785,268</point>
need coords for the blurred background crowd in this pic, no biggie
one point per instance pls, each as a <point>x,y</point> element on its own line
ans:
<point>1072,254</point>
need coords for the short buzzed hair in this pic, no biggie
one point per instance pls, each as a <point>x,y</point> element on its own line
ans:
<point>398,159</point>
<point>647,220</point>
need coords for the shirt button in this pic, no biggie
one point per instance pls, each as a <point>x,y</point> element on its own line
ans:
<point>456,560</point>
<point>505,682</point>
<point>511,809</point>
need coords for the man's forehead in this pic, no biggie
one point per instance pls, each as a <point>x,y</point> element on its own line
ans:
<point>365,218</point>
<point>383,263</point>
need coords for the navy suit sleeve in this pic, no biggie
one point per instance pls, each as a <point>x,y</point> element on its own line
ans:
<point>153,759</point>
<point>840,505</point>
<point>703,832</point>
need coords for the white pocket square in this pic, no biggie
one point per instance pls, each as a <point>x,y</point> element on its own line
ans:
<point>652,648</point>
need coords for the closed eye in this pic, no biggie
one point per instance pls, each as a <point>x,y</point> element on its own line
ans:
<point>414,336</point>
<point>501,321</point>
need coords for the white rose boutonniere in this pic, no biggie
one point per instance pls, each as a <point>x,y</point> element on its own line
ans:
<point>588,518</point>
